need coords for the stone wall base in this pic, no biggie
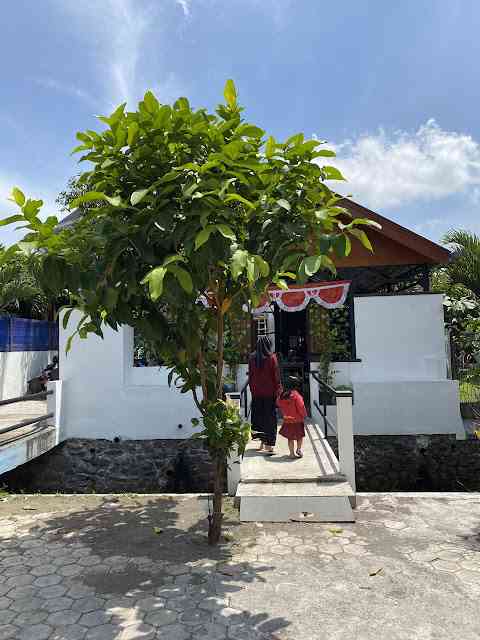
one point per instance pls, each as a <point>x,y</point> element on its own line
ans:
<point>383,463</point>
<point>416,463</point>
<point>104,466</point>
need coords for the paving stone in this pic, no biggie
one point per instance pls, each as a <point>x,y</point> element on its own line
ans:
<point>212,631</point>
<point>242,632</point>
<point>16,570</point>
<point>43,570</point>
<point>161,617</point>
<point>47,581</point>
<point>139,631</point>
<point>176,569</point>
<point>95,618</point>
<point>26,604</point>
<point>7,616</point>
<point>56,591</point>
<point>8,632</point>
<point>229,616</point>
<point>213,603</point>
<point>194,617</point>
<point>85,605</point>
<point>179,604</point>
<point>22,592</point>
<point>35,632</point>
<point>104,632</point>
<point>70,570</point>
<point>3,589</point>
<point>177,632</point>
<point>31,617</point>
<point>5,602</point>
<point>150,604</point>
<point>63,618</point>
<point>78,590</point>
<point>72,632</point>
<point>21,580</point>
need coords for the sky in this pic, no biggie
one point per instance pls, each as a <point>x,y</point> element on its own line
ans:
<point>394,87</point>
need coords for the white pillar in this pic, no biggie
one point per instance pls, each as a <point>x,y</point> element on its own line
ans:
<point>233,473</point>
<point>346,449</point>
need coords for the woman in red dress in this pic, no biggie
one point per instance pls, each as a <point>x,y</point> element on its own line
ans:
<point>293,410</point>
<point>265,387</point>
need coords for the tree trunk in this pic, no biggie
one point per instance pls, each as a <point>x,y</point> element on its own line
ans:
<point>216,517</point>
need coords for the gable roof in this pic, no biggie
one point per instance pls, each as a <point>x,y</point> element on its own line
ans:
<point>392,244</point>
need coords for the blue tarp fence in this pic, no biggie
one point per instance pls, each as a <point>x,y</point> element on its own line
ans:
<point>22,334</point>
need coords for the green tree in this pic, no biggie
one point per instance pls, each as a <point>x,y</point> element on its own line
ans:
<point>21,293</point>
<point>464,268</point>
<point>75,188</point>
<point>195,206</point>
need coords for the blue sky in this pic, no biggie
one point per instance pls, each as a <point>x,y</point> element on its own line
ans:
<point>394,87</point>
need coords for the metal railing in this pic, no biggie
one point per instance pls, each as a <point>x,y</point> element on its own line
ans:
<point>244,400</point>
<point>326,393</point>
<point>28,421</point>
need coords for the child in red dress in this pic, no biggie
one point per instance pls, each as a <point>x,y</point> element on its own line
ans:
<point>292,406</point>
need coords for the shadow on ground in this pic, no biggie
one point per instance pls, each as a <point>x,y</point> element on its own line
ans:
<point>135,567</point>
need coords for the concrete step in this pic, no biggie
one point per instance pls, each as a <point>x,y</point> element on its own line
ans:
<point>290,501</point>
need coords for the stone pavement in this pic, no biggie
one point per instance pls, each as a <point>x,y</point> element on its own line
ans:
<point>138,567</point>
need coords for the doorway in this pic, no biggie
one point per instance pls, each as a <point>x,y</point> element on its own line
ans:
<point>291,331</point>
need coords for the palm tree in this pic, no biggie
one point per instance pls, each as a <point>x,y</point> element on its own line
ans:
<point>464,268</point>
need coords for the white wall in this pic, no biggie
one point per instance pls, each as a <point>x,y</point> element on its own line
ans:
<point>18,367</point>
<point>400,386</point>
<point>104,396</point>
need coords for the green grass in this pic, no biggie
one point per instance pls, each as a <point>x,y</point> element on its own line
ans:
<point>469,392</point>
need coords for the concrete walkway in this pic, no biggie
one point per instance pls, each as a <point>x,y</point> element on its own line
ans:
<point>319,461</point>
<point>130,567</point>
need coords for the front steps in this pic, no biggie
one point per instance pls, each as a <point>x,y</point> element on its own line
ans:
<point>278,489</point>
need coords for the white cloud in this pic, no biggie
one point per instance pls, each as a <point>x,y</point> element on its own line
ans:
<point>393,170</point>
<point>115,30</point>
<point>185,5</point>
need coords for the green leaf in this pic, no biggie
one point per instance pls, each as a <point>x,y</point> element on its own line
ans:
<point>154,279</point>
<point>262,266</point>
<point>251,269</point>
<point>173,258</point>
<point>115,201</point>
<point>138,196</point>
<point>226,231</point>
<point>11,220</point>
<point>68,346</point>
<point>250,131</point>
<point>238,263</point>
<point>324,153</point>
<point>66,317</point>
<point>362,236</point>
<point>230,93</point>
<point>151,103</point>
<point>235,196</point>
<point>332,173</point>
<point>162,116</point>
<point>17,196</point>
<point>87,197</point>
<point>107,163</point>
<point>270,147</point>
<point>284,204</point>
<point>132,130</point>
<point>32,207</point>
<point>312,264</point>
<point>183,277</point>
<point>203,236</point>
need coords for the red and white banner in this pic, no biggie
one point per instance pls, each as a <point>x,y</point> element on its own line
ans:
<point>327,294</point>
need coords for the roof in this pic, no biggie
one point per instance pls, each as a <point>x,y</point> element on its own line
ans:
<point>392,244</point>
<point>69,220</point>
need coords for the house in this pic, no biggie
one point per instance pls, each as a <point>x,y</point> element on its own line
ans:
<point>375,328</point>
<point>390,345</point>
